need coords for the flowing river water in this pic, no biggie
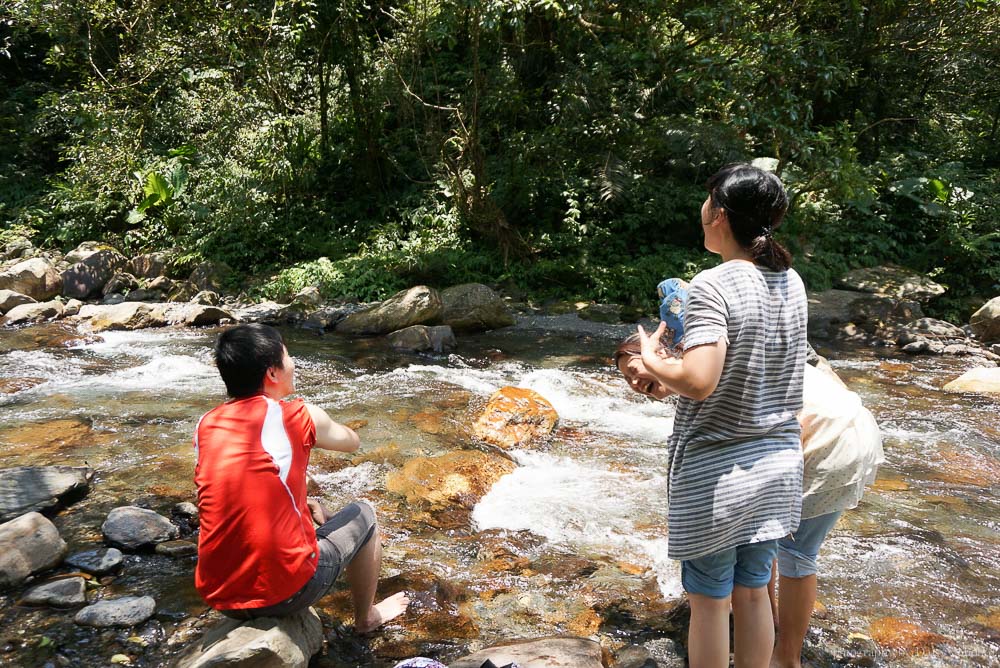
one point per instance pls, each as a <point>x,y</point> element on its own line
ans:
<point>573,541</point>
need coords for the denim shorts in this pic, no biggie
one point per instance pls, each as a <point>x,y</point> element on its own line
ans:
<point>797,552</point>
<point>715,574</point>
<point>339,541</point>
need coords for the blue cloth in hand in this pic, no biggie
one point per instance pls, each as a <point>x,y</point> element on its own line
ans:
<point>673,293</point>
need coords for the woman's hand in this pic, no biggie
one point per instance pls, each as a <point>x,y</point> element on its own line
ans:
<point>320,513</point>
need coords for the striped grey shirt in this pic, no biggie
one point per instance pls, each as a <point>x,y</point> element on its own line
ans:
<point>735,463</point>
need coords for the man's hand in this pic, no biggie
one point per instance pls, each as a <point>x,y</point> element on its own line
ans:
<point>320,513</point>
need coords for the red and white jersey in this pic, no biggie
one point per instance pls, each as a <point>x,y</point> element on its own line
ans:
<point>257,545</point>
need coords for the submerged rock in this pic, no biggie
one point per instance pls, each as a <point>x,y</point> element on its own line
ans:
<point>125,611</point>
<point>35,278</point>
<point>514,417</point>
<point>416,306</point>
<point>9,299</point>
<point>97,562</point>
<point>132,528</point>
<point>28,544</point>
<point>473,307</point>
<point>269,641</point>
<point>36,312</point>
<point>558,652</point>
<point>892,281</point>
<point>64,593</point>
<point>901,635</point>
<point>458,478</point>
<point>981,380</point>
<point>27,488</point>
<point>985,322</point>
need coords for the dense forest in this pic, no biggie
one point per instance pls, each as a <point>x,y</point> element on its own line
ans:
<point>558,148</point>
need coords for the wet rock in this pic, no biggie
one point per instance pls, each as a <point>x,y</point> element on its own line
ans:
<point>421,338</point>
<point>924,347</point>
<point>12,385</point>
<point>121,283</point>
<point>64,593</point>
<point>89,276</point>
<point>210,275</point>
<point>148,265</point>
<point>268,641</point>
<point>177,548</point>
<point>72,307</point>
<point>28,544</point>
<point>514,417</point>
<point>458,478</point>
<point>9,299</point>
<point>37,312</point>
<point>985,322</point>
<point>35,488</point>
<point>634,656</point>
<point>558,652</point>
<point>473,307</point>
<point>901,635</point>
<point>607,313</point>
<point>416,306</point>
<point>35,278</point>
<point>123,612</point>
<point>206,298</point>
<point>124,316</point>
<point>929,328</point>
<point>268,313</point>
<point>186,509</point>
<point>981,380</point>
<point>892,281</point>
<point>132,528</point>
<point>97,562</point>
<point>328,316</point>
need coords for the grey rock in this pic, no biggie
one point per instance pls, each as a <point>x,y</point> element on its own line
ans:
<point>89,276</point>
<point>124,316</point>
<point>199,316</point>
<point>923,346</point>
<point>15,249</point>
<point>474,307</point>
<point>64,593</point>
<point>132,528</point>
<point>112,299</point>
<point>828,310</point>
<point>182,291</point>
<point>28,544</point>
<point>123,612</point>
<point>878,313</point>
<point>161,284</point>
<point>421,338</point>
<point>206,298</point>
<point>72,307</point>
<point>37,312</point>
<point>210,275</point>
<point>34,488</point>
<point>35,278</point>
<point>186,509</point>
<point>268,313</point>
<point>97,562</point>
<point>177,548</point>
<point>121,282</point>
<point>557,652</point>
<point>606,313</point>
<point>9,299</point>
<point>148,265</point>
<point>985,322</point>
<point>417,306</point>
<point>143,295</point>
<point>892,281</point>
<point>85,250</point>
<point>327,317</point>
<point>308,296</point>
<point>269,641</point>
<point>933,328</point>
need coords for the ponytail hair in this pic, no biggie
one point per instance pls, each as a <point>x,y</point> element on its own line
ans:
<point>755,203</point>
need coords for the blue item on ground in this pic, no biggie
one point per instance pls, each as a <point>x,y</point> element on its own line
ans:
<point>673,293</point>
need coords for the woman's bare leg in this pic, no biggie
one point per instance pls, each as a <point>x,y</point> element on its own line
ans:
<point>753,638</point>
<point>708,634</point>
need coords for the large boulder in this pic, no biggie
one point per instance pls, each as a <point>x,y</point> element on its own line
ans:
<point>36,312</point>
<point>9,299</point>
<point>459,478</point>
<point>36,278</point>
<point>288,642</point>
<point>210,276</point>
<point>36,488</point>
<point>15,248</point>
<point>556,652</point>
<point>121,283</point>
<point>879,314</point>
<point>123,612</point>
<point>127,315</point>
<point>981,380</point>
<point>148,265</point>
<point>89,276</point>
<point>133,528</point>
<point>417,306</point>
<point>64,593</point>
<point>85,250</point>
<point>28,544</point>
<point>473,307</point>
<point>514,417</point>
<point>985,322</point>
<point>929,329</point>
<point>421,338</point>
<point>892,281</point>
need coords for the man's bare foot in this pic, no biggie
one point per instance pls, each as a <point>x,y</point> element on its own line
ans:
<point>383,611</point>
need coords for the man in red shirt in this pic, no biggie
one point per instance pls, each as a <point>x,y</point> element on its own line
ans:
<point>259,553</point>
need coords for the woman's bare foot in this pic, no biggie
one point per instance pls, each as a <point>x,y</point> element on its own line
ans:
<point>383,611</point>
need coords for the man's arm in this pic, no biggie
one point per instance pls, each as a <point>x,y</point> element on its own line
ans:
<point>331,435</point>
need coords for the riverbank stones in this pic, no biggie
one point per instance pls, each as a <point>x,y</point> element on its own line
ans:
<point>9,299</point>
<point>28,544</point>
<point>133,528</point>
<point>65,593</point>
<point>97,562</point>
<point>33,488</point>
<point>556,652</point>
<point>35,278</point>
<point>269,641</point>
<point>122,612</point>
<point>33,312</point>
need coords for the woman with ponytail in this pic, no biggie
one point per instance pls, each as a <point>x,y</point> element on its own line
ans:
<point>735,463</point>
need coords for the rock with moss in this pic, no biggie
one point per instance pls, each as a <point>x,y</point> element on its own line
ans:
<point>210,276</point>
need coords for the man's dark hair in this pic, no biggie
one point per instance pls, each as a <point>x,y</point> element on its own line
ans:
<point>243,355</point>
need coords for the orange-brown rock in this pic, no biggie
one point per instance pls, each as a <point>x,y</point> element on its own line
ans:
<point>457,478</point>
<point>584,624</point>
<point>12,385</point>
<point>898,634</point>
<point>514,417</point>
<point>428,422</point>
<point>356,424</point>
<point>890,485</point>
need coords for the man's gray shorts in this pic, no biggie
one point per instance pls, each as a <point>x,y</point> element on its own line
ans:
<point>339,540</point>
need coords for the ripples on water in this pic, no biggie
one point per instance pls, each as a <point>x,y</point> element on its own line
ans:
<point>923,545</point>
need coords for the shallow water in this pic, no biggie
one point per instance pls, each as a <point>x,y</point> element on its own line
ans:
<point>572,541</point>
